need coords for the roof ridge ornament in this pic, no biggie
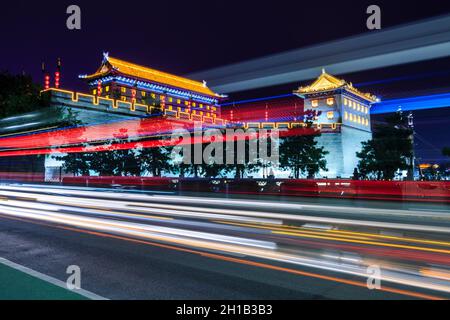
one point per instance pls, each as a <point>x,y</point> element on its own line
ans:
<point>326,82</point>
<point>105,56</point>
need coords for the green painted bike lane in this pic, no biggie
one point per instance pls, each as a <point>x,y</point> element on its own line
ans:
<point>18,285</point>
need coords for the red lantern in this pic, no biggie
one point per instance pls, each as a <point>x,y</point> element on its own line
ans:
<point>46,77</point>
<point>47,82</point>
<point>58,74</point>
<point>99,88</point>
<point>57,78</point>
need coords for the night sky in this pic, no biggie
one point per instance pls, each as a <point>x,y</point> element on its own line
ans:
<point>185,36</point>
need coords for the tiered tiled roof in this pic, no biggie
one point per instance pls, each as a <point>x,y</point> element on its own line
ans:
<point>327,82</point>
<point>112,65</point>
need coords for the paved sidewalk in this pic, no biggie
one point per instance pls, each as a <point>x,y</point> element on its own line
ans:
<point>20,283</point>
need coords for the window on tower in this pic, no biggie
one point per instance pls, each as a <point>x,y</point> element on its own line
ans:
<point>330,115</point>
<point>315,103</point>
<point>330,101</point>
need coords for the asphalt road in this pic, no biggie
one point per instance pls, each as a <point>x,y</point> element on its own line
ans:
<point>132,245</point>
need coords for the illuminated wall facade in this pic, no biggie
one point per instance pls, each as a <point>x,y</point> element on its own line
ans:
<point>342,112</point>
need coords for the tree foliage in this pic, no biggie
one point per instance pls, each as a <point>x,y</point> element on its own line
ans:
<point>155,160</point>
<point>18,94</point>
<point>446,151</point>
<point>76,163</point>
<point>244,164</point>
<point>301,154</point>
<point>388,151</point>
<point>207,168</point>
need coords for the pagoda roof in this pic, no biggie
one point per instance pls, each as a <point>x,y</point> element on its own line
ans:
<point>327,82</point>
<point>112,65</point>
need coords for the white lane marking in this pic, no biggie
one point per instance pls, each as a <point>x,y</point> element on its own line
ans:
<point>49,279</point>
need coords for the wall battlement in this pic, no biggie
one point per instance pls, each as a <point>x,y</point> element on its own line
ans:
<point>78,100</point>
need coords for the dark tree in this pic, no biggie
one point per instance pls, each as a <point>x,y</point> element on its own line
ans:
<point>207,168</point>
<point>246,163</point>
<point>125,162</point>
<point>390,149</point>
<point>18,94</point>
<point>75,163</point>
<point>104,163</point>
<point>155,160</point>
<point>114,160</point>
<point>446,151</point>
<point>300,153</point>
<point>355,174</point>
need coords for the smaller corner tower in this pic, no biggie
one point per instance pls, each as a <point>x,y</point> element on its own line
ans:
<point>339,103</point>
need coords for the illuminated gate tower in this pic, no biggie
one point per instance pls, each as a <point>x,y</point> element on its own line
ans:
<point>338,102</point>
<point>121,80</point>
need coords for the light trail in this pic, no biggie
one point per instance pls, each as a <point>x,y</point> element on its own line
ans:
<point>124,135</point>
<point>262,205</point>
<point>340,233</point>
<point>230,227</point>
<point>262,265</point>
<point>408,43</point>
